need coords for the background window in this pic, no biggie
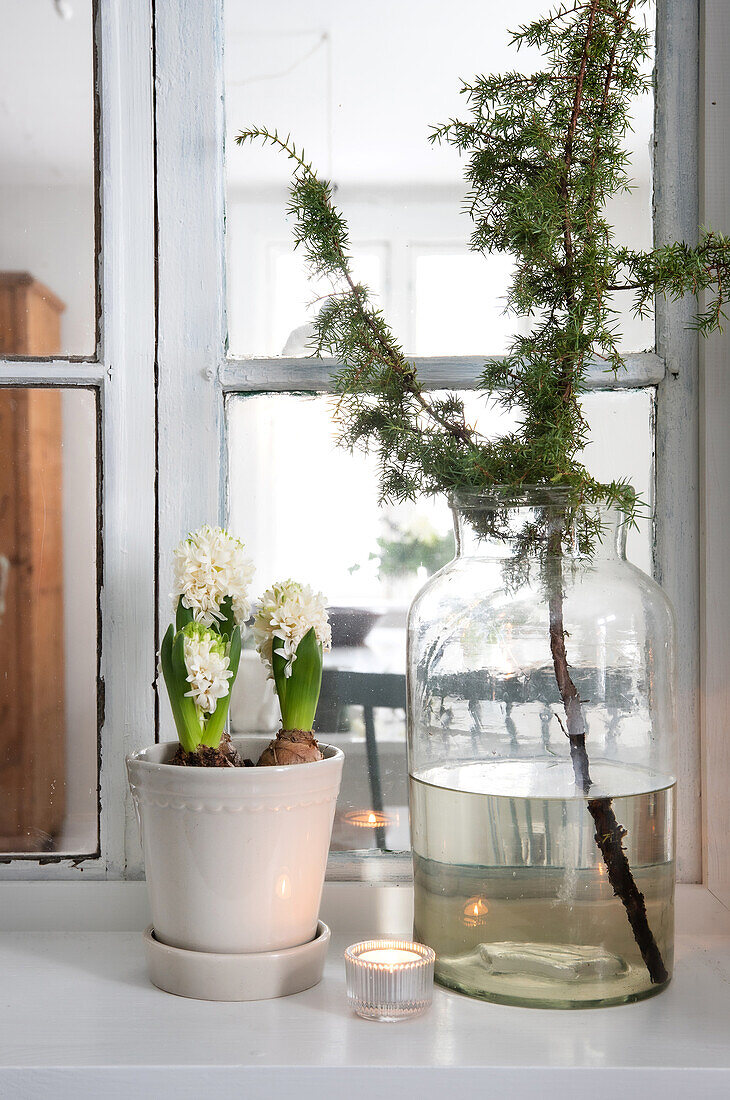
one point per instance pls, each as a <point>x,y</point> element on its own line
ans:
<point>359,86</point>
<point>312,512</point>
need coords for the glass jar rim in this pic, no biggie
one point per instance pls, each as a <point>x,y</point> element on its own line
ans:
<point>528,496</point>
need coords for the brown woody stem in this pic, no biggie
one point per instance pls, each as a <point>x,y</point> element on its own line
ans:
<point>609,834</point>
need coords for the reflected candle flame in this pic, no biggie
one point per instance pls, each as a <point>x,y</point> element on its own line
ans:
<point>475,912</point>
<point>283,887</point>
<point>369,819</point>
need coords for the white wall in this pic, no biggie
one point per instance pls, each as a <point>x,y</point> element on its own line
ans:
<point>392,228</point>
<point>49,232</point>
<point>358,87</point>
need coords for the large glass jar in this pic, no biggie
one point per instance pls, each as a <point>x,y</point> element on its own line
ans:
<point>541,730</point>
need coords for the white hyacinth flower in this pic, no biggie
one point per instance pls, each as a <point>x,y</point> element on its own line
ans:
<point>209,565</point>
<point>207,665</point>
<point>288,611</point>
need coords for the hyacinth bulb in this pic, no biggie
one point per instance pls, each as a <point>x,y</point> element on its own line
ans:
<point>291,747</point>
<point>298,695</point>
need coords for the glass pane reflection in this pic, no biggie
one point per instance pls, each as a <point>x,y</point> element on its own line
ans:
<point>47,296</point>
<point>48,708</point>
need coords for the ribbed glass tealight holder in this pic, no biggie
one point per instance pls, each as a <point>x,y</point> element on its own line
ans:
<point>389,980</point>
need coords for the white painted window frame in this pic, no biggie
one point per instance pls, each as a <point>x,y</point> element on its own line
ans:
<point>162,350</point>
<point>122,375</point>
<point>714,472</point>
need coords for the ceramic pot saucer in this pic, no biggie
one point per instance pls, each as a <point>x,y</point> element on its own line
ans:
<point>255,977</point>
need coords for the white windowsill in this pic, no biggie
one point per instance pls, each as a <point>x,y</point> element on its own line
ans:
<point>79,1018</point>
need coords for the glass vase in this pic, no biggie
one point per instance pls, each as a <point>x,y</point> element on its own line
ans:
<point>541,744</point>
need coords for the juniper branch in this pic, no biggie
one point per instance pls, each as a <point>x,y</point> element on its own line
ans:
<point>323,231</point>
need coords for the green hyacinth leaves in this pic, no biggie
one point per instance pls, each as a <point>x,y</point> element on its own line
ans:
<point>299,692</point>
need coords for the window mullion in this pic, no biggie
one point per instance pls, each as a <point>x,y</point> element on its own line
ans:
<point>127,297</point>
<point>435,372</point>
<point>191,311</point>
<point>50,372</point>
<point>715,459</point>
<point>677,547</point>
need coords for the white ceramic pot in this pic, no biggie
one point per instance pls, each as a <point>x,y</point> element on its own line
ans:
<point>235,858</point>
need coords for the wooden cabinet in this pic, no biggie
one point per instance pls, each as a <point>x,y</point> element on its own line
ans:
<point>30,316</point>
<point>32,693</point>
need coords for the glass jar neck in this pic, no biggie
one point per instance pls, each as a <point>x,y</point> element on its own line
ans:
<point>536,523</point>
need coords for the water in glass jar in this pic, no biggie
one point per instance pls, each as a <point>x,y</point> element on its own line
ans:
<point>511,890</point>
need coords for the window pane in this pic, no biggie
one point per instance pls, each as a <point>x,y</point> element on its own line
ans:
<point>466,287</point>
<point>47,296</point>
<point>369,561</point>
<point>358,86</point>
<point>48,601</point>
<point>295,298</point>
